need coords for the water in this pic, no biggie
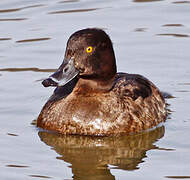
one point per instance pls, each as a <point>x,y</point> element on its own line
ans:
<point>150,38</point>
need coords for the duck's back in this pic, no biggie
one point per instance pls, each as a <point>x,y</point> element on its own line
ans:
<point>132,105</point>
<point>142,101</point>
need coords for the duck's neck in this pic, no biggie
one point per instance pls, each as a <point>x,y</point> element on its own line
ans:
<point>90,86</point>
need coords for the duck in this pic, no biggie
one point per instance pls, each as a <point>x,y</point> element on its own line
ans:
<point>91,98</point>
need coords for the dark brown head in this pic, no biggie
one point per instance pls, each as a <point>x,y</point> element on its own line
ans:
<point>89,55</point>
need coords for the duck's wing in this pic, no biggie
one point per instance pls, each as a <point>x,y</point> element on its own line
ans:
<point>133,85</point>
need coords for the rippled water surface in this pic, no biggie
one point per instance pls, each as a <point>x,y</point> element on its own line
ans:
<point>150,37</point>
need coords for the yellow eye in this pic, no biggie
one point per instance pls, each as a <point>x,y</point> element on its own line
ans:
<point>89,49</point>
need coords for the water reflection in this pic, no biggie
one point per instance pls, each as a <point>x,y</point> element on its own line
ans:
<point>38,176</point>
<point>34,69</point>
<point>178,177</point>
<point>172,25</point>
<point>90,157</point>
<point>73,11</point>
<point>32,40</point>
<point>19,9</point>
<point>174,35</point>
<point>68,1</point>
<point>5,39</point>
<point>17,166</point>
<point>146,0</point>
<point>11,134</point>
<point>140,29</point>
<point>14,19</point>
<point>181,2</point>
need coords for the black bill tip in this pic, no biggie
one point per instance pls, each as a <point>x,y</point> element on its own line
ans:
<point>49,82</point>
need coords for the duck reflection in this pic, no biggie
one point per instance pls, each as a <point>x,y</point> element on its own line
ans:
<point>94,157</point>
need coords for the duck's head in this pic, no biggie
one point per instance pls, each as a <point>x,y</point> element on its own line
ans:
<point>89,55</point>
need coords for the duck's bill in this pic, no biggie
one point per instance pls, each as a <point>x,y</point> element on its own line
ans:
<point>63,75</point>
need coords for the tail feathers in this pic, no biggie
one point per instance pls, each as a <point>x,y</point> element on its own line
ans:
<point>167,95</point>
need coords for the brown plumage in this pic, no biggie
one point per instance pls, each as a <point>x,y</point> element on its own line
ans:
<point>92,99</point>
